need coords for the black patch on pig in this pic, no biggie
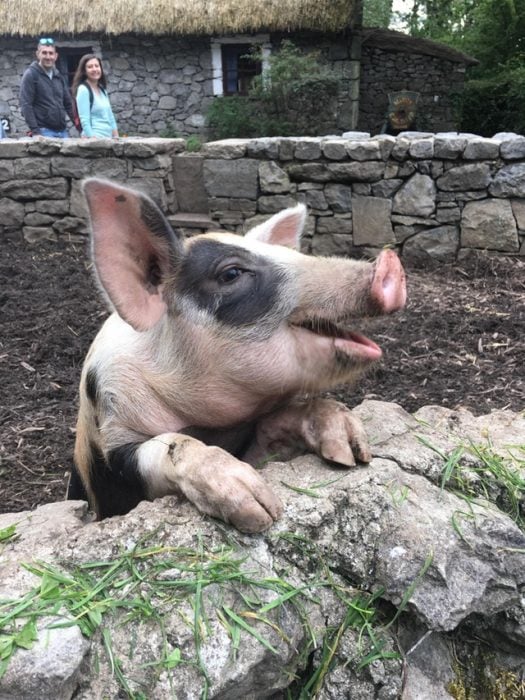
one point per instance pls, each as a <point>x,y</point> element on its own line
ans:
<point>234,440</point>
<point>116,482</point>
<point>237,286</point>
<point>75,488</point>
<point>92,386</point>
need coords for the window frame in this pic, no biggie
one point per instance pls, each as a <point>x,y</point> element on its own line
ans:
<point>261,41</point>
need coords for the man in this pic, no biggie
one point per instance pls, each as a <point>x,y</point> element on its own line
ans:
<point>45,100</point>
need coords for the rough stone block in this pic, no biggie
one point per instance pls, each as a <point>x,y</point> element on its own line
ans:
<point>372,223</point>
<point>440,243</point>
<point>489,224</point>
<point>509,181</point>
<point>231,178</point>
<point>71,166</point>
<point>52,188</point>
<point>32,168</point>
<point>7,169</point>
<point>417,197</point>
<point>328,244</point>
<point>227,149</point>
<point>271,205</point>
<point>339,197</point>
<point>481,149</point>
<point>370,171</point>
<point>36,234</point>
<point>334,149</point>
<point>473,176</point>
<point>12,212</point>
<point>334,225</point>
<point>273,179</point>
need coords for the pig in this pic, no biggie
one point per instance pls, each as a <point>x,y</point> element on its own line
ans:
<point>214,358</point>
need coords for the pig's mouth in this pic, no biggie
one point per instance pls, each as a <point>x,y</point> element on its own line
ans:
<point>349,342</point>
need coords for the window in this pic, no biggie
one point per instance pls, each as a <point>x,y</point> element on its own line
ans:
<point>238,68</point>
<point>69,58</point>
<point>233,67</point>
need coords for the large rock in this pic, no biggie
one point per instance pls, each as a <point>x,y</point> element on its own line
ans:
<point>181,605</point>
<point>509,181</point>
<point>473,176</point>
<point>231,178</point>
<point>417,197</point>
<point>440,243</point>
<point>372,223</point>
<point>489,224</point>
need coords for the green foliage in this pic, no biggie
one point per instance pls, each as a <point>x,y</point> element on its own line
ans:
<point>284,101</point>
<point>495,103</point>
<point>377,13</point>
<point>193,143</point>
<point>473,470</point>
<point>169,132</point>
<point>493,31</point>
<point>231,117</point>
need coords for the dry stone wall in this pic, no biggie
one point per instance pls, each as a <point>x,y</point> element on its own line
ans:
<point>437,195</point>
<point>40,193</point>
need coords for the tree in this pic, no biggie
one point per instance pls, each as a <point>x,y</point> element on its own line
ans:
<point>493,31</point>
<point>377,13</point>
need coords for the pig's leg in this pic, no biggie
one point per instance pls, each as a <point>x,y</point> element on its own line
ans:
<point>323,426</point>
<point>217,483</point>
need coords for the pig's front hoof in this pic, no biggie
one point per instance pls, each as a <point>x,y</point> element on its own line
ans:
<point>249,503</point>
<point>336,434</point>
<point>224,487</point>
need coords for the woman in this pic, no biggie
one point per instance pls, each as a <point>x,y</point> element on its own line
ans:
<point>90,92</point>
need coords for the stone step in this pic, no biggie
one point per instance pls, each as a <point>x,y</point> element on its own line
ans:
<point>193,221</point>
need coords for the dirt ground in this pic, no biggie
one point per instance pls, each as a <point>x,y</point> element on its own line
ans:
<point>459,342</point>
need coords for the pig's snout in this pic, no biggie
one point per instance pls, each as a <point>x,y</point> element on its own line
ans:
<point>388,289</point>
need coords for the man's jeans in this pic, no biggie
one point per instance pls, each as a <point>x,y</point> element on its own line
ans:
<point>50,134</point>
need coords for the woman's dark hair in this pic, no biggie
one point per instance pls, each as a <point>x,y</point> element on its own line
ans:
<point>80,76</point>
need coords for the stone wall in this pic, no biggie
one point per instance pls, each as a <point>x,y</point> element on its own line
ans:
<point>438,195</point>
<point>437,80</point>
<point>40,180</point>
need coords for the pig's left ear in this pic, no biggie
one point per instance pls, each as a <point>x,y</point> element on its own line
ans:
<point>134,250</point>
<point>285,228</point>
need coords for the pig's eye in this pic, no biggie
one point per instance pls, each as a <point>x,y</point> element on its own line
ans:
<point>230,275</point>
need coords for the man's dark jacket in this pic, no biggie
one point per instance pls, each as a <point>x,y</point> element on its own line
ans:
<point>44,101</point>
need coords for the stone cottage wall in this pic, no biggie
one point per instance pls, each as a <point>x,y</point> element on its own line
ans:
<point>436,79</point>
<point>154,83</point>
<point>428,195</point>
<point>165,83</point>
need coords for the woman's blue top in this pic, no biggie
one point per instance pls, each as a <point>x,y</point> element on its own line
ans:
<point>99,119</point>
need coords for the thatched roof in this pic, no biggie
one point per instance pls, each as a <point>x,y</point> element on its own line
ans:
<point>158,17</point>
<point>390,40</point>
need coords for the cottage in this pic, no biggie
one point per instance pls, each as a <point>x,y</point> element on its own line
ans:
<point>167,59</point>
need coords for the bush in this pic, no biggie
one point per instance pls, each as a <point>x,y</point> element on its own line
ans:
<point>495,103</point>
<point>230,117</point>
<point>193,143</point>
<point>294,97</point>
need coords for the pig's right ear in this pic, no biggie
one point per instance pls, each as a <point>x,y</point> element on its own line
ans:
<point>134,251</point>
<point>284,228</point>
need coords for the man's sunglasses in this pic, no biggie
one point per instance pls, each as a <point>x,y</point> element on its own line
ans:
<point>47,42</point>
